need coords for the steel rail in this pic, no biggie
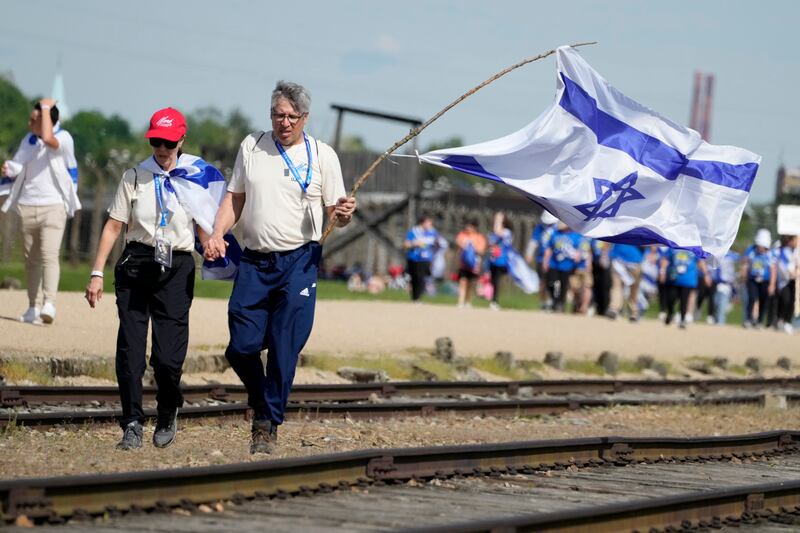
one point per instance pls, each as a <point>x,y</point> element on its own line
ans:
<point>35,395</point>
<point>379,410</point>
<point>56,497</point>
<point>704,510</point>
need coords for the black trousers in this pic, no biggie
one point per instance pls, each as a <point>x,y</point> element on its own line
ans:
<point>663,297</point>
<point>677,294</point>
<point>706,294</point>
<point>146,294</point>
<point>786,303</point>
<point>496,273</point>
<point>757,291</point>
<point>558,284</point>
<point>419,271</point>
<point>602,288</point>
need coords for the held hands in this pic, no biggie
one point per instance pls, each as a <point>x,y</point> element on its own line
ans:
<point>214,247</point>
<point>345,207</point>
<point>94,291</point>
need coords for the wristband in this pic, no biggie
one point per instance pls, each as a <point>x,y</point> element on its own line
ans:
<point>96,274</point>
<point>44,106</point>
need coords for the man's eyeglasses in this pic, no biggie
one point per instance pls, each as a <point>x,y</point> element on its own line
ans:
<point>291,118</point>
<point>169,145</point>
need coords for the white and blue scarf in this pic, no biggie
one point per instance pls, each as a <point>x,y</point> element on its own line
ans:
<point>198,188</point>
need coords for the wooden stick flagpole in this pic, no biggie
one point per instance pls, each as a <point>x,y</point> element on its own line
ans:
<point>416,131</point>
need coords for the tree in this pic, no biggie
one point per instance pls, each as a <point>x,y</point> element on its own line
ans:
<point>14,117</point>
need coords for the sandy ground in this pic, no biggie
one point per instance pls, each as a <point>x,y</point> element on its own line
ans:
<point>386,328</point>
<point>90,449</point>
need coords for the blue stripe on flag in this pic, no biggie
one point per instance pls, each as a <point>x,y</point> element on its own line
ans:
<point>470,165</point>
<point>647,150</point>
<point>644,236</point>
<point>73,173</point>
<point>207,175</point>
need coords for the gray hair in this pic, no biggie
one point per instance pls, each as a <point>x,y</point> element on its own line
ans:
<point>295,94</point>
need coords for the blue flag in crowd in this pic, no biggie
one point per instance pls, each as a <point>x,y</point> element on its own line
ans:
<point>615,170</point>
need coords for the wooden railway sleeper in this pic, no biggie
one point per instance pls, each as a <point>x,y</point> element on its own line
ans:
<point>381,467</point>
<point>11,398</point>
<point>29,502</point>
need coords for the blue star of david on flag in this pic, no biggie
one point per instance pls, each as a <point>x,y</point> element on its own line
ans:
<point>605,189</point>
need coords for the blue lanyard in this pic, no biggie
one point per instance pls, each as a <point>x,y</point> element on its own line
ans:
<point>157,183</point>
<point>295,173</point>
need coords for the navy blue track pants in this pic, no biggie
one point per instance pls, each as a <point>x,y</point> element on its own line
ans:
<point>271,308</point>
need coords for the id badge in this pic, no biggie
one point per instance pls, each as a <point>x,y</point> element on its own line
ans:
<point>163,253</point>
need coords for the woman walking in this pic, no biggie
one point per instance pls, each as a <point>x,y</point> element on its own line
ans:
<point>154,277</point>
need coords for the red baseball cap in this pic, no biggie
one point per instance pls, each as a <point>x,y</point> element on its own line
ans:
<point>167,123</point>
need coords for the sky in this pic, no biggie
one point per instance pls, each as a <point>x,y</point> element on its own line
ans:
<point>413,58</point>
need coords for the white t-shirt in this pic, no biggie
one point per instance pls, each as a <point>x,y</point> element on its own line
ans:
<point>139,210</point>
<point>277,215</point>
<point>39,185</point>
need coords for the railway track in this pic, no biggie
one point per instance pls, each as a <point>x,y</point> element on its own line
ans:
<point>589,484</point>
<point>36,395</point>
<point>52,406</point>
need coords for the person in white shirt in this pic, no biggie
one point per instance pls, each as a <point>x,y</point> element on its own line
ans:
<point>43,194</point>
<point>283,180</point>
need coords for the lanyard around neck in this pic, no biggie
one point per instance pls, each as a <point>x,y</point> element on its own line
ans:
<point>157,183</point>
<point>295,173</point>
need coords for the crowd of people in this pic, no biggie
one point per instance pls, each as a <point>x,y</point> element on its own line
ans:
<point>588,276</point>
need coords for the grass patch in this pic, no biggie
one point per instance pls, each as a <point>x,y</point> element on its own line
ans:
<point>103,369</point>
<point>739,370</point>
<point>443,371</point>
<point>494,367</point>
<point>629,367</point>
<point>17,371</point>
<point>394,368</point>
<point>584,366</point>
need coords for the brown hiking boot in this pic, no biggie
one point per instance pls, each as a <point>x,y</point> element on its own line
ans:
<point>263,436</point>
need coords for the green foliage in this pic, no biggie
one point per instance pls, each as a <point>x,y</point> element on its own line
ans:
<point>214,137</point>
<point>584,366</point>
<point>14,116</point>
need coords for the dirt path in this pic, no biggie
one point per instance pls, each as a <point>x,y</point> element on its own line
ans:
<point>349,327</point>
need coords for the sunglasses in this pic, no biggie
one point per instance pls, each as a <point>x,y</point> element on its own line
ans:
<point>169,145</point>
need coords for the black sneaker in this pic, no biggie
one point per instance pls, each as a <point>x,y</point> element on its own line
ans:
<point>166,428</point>
<point>131,436</point>
<point>263,436</point>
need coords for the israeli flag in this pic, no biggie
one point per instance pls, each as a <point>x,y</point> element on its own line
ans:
<point>198,188</point>
<point>525,277</point>
<point>615,170</point>
<point>5,185</point>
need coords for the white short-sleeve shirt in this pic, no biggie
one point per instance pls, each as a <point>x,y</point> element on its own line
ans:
<point>277,214</point>
<point>138,208</point>
<point>39,187</point>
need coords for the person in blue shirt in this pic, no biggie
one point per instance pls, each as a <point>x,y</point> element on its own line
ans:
<point>582,280</point>
<point>534,254</point>
<point>724,279</point>
<point>663,293</point>
<point>787,273</point>
<point>420,244</point>
<point>561,256</point>
<point>679,270</point>
<point>626,270</point>
<point>500,243</point>
<point>759,269</point>
<point>601,272</point>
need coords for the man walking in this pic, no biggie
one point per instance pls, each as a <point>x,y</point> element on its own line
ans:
<point>420,245</point>
<point>281,181</point>
<point>44,194</point>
